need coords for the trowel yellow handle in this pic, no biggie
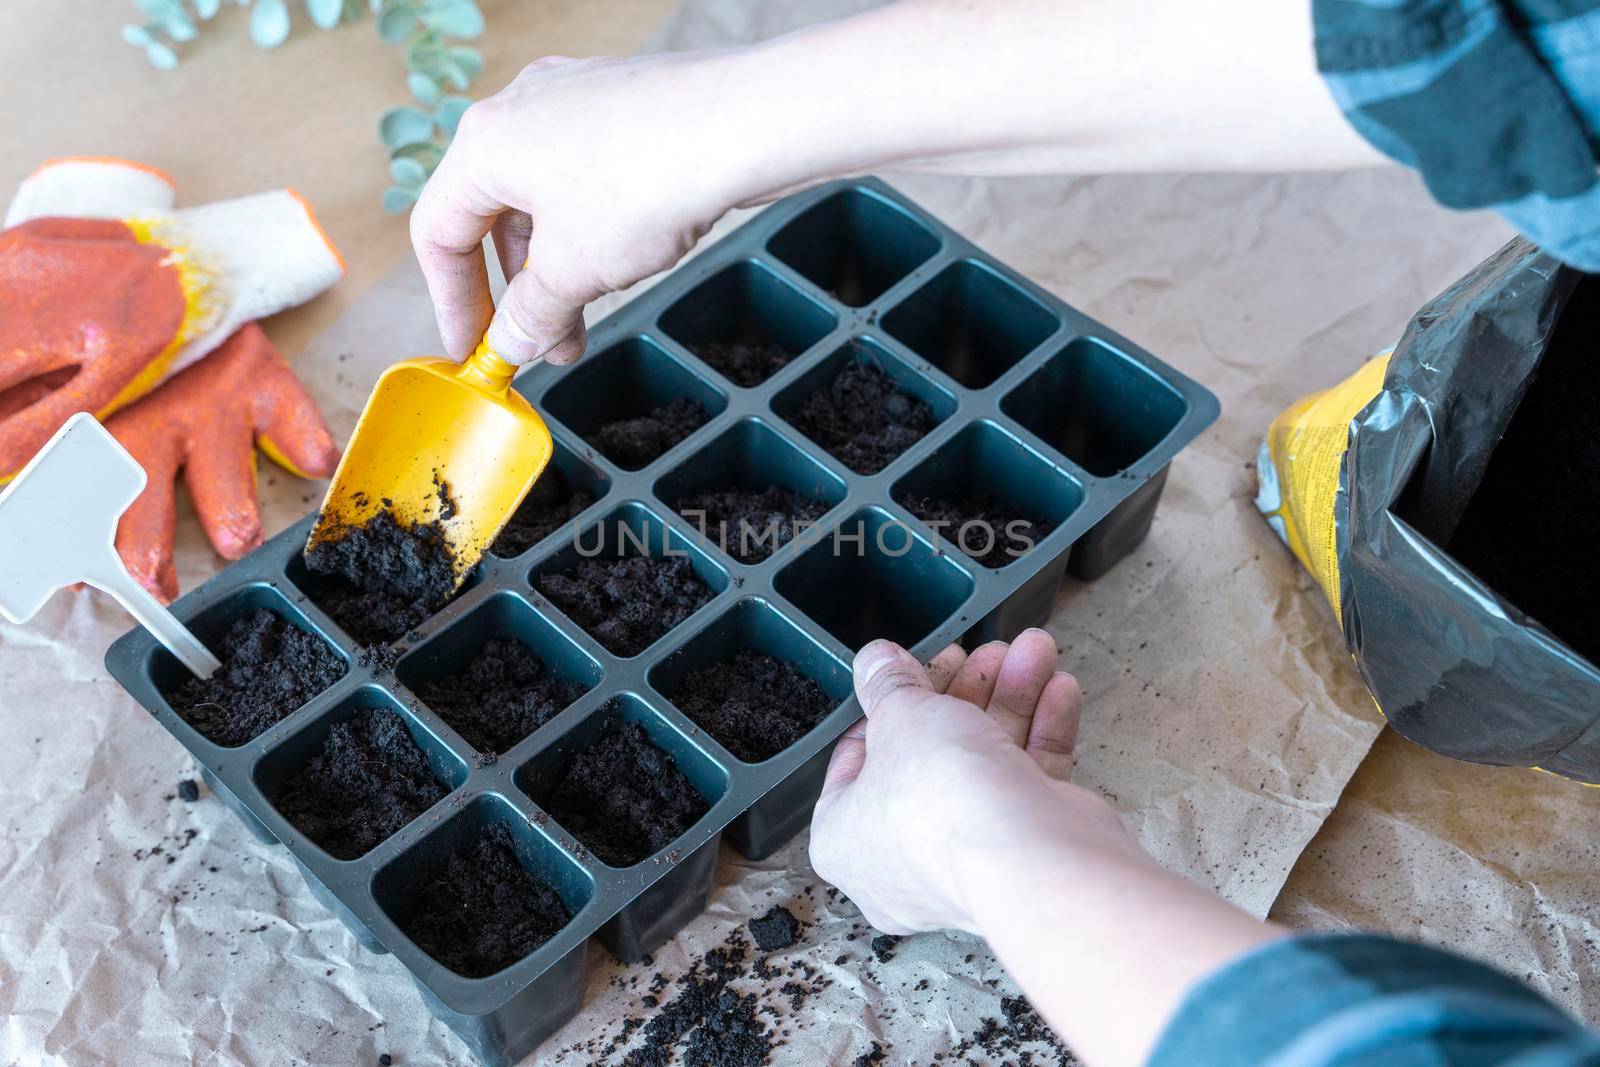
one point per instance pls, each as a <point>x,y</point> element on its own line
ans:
<point>485,370</point>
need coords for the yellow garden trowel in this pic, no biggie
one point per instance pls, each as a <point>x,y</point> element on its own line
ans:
<point>440,440</point>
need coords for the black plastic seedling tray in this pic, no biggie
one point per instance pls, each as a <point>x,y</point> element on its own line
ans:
<point>1047,410</point>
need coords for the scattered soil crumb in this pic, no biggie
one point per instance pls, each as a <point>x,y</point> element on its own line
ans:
<point>270,667</point>
<point>188,790</point>
<point>484,911</point>
<point>775,930</point>
<point>368,780</point>
<point>627,603</point>
<point>883,947</point>
<point>754,705</point>
<point>505,693</point>
<point>624,798</point>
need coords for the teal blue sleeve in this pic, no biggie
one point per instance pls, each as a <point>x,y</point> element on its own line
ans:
<point>1368,1001</point>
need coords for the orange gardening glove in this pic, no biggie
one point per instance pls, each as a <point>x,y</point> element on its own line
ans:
<point>89,318</point>
<point>207,420</point>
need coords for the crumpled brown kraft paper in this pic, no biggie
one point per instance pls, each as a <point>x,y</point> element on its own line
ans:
<point>1224,717</point>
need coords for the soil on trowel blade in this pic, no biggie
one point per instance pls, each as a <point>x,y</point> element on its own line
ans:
<point>634,442</point>
<point>384,578</point>
<point>548,504</point>
<point>755,705</point>
<point>747,360</point>
<point>627,603</point>
<point>1529,531</point>
<point>980,526</point>
<point>750,524</point>
<point>505,693</point>
<point>862,418</point>
<point>624,798</point>
<point>270,667</point>
<point>368,780</point>
<point>484,911</point>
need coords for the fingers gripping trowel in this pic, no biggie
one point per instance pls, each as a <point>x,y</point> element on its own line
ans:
<point>58,526</point>
<point>440,440</point>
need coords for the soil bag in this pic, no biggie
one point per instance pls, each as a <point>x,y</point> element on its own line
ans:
<point>1445,497</point>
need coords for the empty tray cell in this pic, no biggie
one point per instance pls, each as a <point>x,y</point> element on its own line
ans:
<point>989,495</point>
<point>900,586</point>
<point>750,490</point>
<point>746,322</point>
<point>753,680</point>
<point>864,405</point>
<point>353,777</point>
<point>482,891</point>
<point>499,674</point>
<point>1100,408</point>
<point>971,323</point>
<point>273,662</point>
<point>633,402</point>
<point>624,782</point>
<point>567,487</point>
<point>855,245</point>
<point>629,579</point>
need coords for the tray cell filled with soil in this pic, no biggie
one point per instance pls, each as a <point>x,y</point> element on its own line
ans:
<point>746,323</point>
<point>971,323</point>
<point>900,585</point>
<point>483,891</point>
<point>633,403</point>
<point>750,491</point>
<point>855,245</point>
<point>499,673</point>
<point>753,680</point>
<point>988,495</point>
<point>1097,406</point>
<point>383,579</point>
<point>566,488</point>
<point>864,406</point>
<point>356,776</point>
<point>274,662</point>
<point>628,784</point>
<point>629,579</point>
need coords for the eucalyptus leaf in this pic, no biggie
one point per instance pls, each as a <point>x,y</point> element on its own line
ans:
<point>395,22</point>
<point>207,9</point>
<point>423,88</point>
<point>179,26</point>
<point>457,18</point>
<point>451,108</point>
<point>427,153</point>
<point>137,36</point>
<point>325,13</point>
<point>403,125</point>
<point>159,9</point>
<point>426,54</point>
<point>396,199</point>
<point>269,23</point>
<point>466,59</point>
<point>161,57</point>
<point>407,171</point>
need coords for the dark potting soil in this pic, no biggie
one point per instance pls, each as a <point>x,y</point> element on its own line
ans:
<point>484,911</point>
<point>755,705</point>
<point>548,504</point>
<point>368,780</point>
<point>384,578</point>
<point>710,1022</point>
<point>624,798</point>
<point>505,693</point>
<point>750,524</point>
<point>747,360</point>
<point>188,790</point>
<point>1529,531</point>
<point>984,529</point>
<point>862,418</point>
<point>269,668</point>
<point>775,930</point>
<point>636,441</point>
<point>627,603</point>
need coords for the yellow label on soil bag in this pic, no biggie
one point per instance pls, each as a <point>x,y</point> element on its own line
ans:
<point>1297,470</point>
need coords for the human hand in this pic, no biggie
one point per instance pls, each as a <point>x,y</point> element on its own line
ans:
<point>595,173</point>
<point>956,771</point>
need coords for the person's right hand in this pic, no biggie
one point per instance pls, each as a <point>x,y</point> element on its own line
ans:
<point>595,173</point>
<point>957,772</point>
